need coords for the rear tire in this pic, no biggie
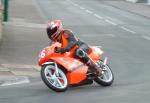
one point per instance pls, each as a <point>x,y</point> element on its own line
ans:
<point>107,78</point>
<point>56,83</point>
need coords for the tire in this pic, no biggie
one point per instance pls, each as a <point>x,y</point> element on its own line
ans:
<point>56,83</point>
<point>107,78</point>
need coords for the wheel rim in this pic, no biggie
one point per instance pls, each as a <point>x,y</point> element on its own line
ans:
<point>57,81</point>
<point>107,76</point>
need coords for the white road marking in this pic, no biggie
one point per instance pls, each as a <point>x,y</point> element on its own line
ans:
<point>112,35</point>
<point>110,22</point>
<point>72,3</point>
<point>109,17</point>
<point>98,16</point>
<point>106,19</point>
<point>82,8</point>
<point>75,4</point>
<point>99,35</point>
<point>16,81</point>
<point>146,37</point>
<point>128,30</point>
<point>88,11</point>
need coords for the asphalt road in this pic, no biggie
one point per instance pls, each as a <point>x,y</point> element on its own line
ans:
<point>123,36</point>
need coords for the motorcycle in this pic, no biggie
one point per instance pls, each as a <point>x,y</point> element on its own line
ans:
<point>60,71</point>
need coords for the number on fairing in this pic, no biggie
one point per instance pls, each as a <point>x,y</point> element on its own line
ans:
<point>42,54</point>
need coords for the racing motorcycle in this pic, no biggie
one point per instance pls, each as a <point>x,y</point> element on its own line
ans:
<point>60,71</point>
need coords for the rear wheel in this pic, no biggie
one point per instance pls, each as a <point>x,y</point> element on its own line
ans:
<point>57,82</point>
<point>107,78</point>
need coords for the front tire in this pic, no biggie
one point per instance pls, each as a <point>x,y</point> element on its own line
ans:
<point>57,83</point>
<point>107,78</point>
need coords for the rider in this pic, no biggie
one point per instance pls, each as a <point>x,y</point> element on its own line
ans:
<point>68,40</point>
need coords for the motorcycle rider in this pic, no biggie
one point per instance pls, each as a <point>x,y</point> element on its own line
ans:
<point>68,40</point>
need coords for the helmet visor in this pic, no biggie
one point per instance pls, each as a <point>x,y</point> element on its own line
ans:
<point>52,31</point>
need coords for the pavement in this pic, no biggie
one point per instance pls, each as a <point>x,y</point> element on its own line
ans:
<point>23,22</point>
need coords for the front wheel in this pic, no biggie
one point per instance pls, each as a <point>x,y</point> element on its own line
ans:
<point>59,82</point>
<point>107,78</point>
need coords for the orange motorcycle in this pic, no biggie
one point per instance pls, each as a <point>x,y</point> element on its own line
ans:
<point>60,71</point>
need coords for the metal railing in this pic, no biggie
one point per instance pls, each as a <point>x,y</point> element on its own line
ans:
<point>5,2</point>
<point>4,6</point>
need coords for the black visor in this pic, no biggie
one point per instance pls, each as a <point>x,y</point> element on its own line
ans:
<point>50,32</point>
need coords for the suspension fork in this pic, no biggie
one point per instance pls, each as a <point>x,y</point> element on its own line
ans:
<point>56,67</point>
<point>102,65</point>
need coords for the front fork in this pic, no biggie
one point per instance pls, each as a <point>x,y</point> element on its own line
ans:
<point>99,64</point>
<point>102,64</point>
<point>56,67</point>
<point>105,61</point>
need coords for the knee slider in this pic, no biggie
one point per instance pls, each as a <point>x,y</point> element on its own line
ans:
<point>80,53</point>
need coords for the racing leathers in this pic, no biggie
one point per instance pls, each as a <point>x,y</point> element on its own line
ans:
<point>69,41</point>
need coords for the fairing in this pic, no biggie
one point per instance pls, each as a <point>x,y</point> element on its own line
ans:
<point>76,70</point>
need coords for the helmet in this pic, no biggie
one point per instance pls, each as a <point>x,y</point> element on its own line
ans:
<point>53,29</point>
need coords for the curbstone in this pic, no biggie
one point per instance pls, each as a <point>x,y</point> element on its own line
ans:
<point>8,81</point>
<point>19,70</point>
<point>6,73</point>
<point>4,69</point>
<point>26,73</point>
<point>38,68</point>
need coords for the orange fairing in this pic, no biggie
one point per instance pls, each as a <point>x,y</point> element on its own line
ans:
<point>77,75</point>
<point>47,52</point>
<point>95,53</point>
<point>76,69</point>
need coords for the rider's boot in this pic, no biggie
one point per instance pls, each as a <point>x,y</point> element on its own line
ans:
<point>89,62</point>
<point>95,68</point>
